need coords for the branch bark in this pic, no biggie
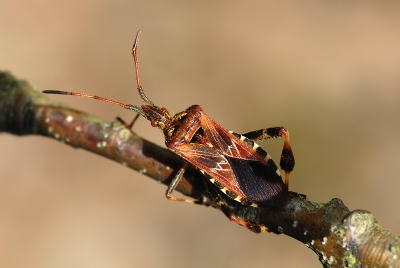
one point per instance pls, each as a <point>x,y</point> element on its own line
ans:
<point>340,238</point>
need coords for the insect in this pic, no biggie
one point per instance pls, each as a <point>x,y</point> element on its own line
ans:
<point>234,163</point>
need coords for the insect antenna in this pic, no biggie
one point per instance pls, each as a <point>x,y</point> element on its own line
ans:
<point>123,105</point>
<point>139,86</point>
<point>77,94</point>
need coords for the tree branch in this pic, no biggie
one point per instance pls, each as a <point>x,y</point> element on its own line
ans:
<point>339,237</point>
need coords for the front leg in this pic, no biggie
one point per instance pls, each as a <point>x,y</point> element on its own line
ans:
<point>174,184</point>
<point>130,125</point>
<point>287,158</point>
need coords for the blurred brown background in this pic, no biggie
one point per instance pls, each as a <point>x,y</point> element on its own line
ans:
<point>329,72</point>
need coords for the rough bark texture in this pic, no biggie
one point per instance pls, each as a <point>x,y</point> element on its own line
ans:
<point>340,238</point>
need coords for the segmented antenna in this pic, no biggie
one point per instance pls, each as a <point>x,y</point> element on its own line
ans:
<point>123,105</point>
<point>77,94</point>
<point>139,86</point>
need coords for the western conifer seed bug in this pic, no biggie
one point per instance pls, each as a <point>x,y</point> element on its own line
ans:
<point>234,163</point>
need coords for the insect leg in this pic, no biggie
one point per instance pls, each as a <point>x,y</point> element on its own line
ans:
<point>254,227</point>
<point>287,158</point>
<point>265,133</point>
<point>130,125</point>
<point>174,184</point>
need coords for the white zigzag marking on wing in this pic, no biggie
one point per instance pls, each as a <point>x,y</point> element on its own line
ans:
<point>220,167</point>
<point>232,147</point>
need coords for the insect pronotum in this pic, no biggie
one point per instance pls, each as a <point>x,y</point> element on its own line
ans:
<point>234,163</point>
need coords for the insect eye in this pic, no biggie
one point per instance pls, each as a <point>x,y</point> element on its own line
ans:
<point>197,136</point>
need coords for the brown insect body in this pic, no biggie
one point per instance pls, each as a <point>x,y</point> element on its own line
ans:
<point>221,155</point>
<point>234,163</point>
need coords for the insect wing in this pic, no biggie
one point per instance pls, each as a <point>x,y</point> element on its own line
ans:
<point>211,162</point>
<point>235,165</point>
<point>259,182</point>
